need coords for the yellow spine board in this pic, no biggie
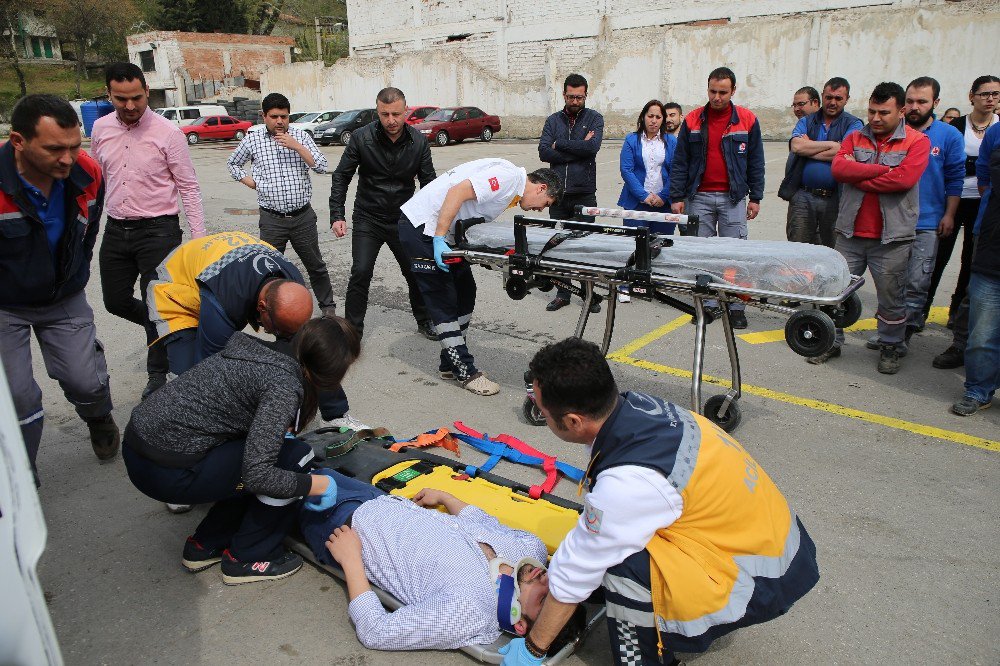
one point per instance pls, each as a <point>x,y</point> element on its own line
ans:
<point>549,522</point>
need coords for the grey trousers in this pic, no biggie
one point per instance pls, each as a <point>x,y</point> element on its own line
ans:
<point>73,356</point>
<point>811,219</point>
<point>301,232</point>
<point>718,216</point>
<point>888,264</point>
<point>923,256</point>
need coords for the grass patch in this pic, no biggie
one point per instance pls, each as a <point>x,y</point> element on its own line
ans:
<point>53,79</point>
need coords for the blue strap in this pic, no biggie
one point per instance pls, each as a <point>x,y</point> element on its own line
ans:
<point>499,451</point>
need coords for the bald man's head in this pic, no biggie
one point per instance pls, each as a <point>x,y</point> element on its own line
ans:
<point>283,306</point>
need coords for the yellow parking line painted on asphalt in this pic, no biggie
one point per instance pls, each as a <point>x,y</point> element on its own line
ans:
<point>624,355</point>
<point>652,336</point>
<point>938,315</point>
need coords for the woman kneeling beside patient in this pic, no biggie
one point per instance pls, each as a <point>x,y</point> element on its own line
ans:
<point>222,432</point>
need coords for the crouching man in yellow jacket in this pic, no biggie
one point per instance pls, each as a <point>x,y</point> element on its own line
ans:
<point>685,535</point>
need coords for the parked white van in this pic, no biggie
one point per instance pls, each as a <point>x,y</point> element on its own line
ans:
<point>185,115</point>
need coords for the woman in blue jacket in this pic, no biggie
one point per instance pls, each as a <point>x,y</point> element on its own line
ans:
<point>645,168</point>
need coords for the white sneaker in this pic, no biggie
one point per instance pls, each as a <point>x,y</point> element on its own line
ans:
<point>345,421</point>
<point>481,385</point>
<point>178,508</point>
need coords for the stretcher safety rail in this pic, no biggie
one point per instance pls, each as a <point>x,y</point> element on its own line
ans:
<point>540,253</point>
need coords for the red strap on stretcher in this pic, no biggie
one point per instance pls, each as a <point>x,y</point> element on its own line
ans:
<point>441,438</point>
<point>548,462</point>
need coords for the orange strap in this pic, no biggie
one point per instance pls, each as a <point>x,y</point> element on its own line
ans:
<point>441,438</point>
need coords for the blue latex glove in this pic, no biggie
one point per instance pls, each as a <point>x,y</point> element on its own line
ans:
<point>326,500</point>
<point>516,654</point>
<point>440,247</point>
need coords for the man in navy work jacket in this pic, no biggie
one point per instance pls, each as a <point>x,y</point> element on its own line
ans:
<point>51,200</point>
<point>570,141</point>
<point>719,161</point>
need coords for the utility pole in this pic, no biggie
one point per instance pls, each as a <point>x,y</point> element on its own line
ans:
<point>319,40</point>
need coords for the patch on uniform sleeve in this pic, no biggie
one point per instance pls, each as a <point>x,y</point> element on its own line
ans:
<point>592,517</point>
<point>494,184</point>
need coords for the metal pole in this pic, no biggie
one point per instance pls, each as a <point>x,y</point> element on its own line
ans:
<point>319,40</point>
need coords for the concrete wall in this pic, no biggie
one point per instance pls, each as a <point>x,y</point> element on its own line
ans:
<point>517,53</point>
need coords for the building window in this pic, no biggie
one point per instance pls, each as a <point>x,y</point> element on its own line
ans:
<point>147,62</point>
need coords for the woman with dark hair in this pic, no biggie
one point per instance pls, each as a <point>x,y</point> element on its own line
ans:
<point>645,168</point>
<point>223,432</point>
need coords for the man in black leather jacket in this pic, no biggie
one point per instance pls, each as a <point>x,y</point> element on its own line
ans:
<point>388,154</point>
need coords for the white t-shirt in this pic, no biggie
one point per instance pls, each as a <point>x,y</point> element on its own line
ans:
<point>970,187</point>
<point>623,511</point>
<point>498,184</point>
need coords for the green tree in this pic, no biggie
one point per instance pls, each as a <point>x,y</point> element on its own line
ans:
<point>10,27</point>
<point>198,16</point>
<point>89,22</point>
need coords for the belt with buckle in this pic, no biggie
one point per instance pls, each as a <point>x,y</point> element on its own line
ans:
<point>139,222</point>
<point>826,194</point>
<point>291,213</point>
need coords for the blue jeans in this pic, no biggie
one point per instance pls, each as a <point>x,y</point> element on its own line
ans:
<point>719,216</point>
<point>317,526</point>
<point>982,351</point>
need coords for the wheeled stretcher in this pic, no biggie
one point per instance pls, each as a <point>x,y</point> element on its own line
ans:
<point>778,276</point>
<point>409,470</point>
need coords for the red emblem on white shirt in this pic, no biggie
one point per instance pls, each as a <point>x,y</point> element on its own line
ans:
<point>494,184</point>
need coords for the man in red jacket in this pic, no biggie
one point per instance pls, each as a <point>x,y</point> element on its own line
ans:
<point>879,167</point>
<point>51,199</point>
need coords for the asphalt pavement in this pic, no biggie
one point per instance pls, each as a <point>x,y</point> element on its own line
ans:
<point>899,495</point>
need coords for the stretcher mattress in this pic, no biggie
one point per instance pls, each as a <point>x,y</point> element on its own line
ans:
<point>779,266</point>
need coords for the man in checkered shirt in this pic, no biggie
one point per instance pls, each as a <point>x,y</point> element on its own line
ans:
<point>445,567</point>
<point>281,158</point>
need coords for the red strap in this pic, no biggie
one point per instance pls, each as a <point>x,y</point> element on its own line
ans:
<point>548,464</point>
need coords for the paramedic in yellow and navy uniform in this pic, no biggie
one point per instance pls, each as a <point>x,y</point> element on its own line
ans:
<point>687,537</point>
<point>482,188</point>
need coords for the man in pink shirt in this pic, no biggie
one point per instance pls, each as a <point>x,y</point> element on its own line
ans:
<point>146,164</point>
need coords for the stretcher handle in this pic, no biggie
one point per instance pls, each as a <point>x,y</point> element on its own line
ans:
<point>461,226</point>
<point>521,222</point>
<point>650,216</point>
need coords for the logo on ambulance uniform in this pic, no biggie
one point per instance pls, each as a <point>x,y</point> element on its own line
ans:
<point>935,151</point>
<point>494,184</point>
<point>742,148</point>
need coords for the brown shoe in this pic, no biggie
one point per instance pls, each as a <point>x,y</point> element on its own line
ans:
<point>824,357</point>
<point>104,437</point>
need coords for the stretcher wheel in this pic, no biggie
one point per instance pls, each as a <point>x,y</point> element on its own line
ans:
<point>810,332</point>
<point>730,420</point>
<point>851,311</point>
<point>532,414</point>
<point>516,288</point>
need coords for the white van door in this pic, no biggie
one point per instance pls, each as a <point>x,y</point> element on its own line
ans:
<point>26,632</point>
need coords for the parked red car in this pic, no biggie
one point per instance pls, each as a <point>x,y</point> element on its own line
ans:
<point>417,114</point>
<point>457,124</point>
<point>216,127</point>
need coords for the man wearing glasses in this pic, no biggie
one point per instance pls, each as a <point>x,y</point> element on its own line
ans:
<point>570,141</point>
<point>805,101</point>
<point>809,186</point>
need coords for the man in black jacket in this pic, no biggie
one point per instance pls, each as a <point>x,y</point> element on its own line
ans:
<point>570,141</point>
<point>51,200</point>
<point>388,155</point>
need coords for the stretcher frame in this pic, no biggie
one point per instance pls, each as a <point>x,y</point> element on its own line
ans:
<point>523,271</point>
<point>372,454</point>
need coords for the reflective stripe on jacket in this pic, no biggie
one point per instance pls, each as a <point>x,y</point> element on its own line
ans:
<point>234,265</point>
<point>29,274</point>
<point>737,555</point>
